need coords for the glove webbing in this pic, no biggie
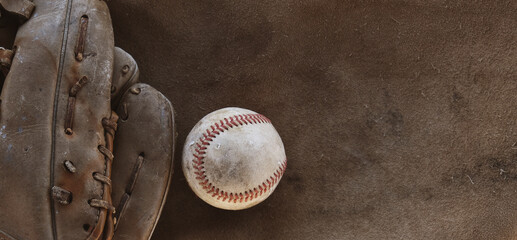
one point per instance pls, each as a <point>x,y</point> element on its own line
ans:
<point>110,127</point>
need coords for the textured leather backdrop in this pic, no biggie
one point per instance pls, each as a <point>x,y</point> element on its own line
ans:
<point>399,117</point>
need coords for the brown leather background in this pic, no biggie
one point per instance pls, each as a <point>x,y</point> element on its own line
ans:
<point>398,117</point>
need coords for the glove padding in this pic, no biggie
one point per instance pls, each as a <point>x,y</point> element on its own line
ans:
<point>57,131</point>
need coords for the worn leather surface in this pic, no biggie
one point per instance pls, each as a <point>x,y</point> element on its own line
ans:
<point>93,105</point>
<point>145,130</point>
<point>33,142</point>
<point>388,110</point>
<point>110,72</point>
<point>125,75</point>
<point>23,9</point>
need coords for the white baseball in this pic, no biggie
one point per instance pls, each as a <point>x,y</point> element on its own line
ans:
<point>233,158</point>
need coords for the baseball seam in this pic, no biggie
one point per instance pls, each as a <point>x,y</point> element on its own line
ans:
<point>200,154</point>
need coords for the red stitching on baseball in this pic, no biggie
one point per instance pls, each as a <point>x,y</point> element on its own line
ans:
<point>211,133</point>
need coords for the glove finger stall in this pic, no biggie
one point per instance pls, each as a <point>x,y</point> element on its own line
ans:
<point>142,170</point>
<point>125,74</point>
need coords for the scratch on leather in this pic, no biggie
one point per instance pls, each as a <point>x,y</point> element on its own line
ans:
<point>5,236</point>
<point>200,153</point>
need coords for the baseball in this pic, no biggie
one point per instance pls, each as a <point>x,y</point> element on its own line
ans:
<point>233,158</point>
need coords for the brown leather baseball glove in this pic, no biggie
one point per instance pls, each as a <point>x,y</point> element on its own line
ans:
<point>85,151</point>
